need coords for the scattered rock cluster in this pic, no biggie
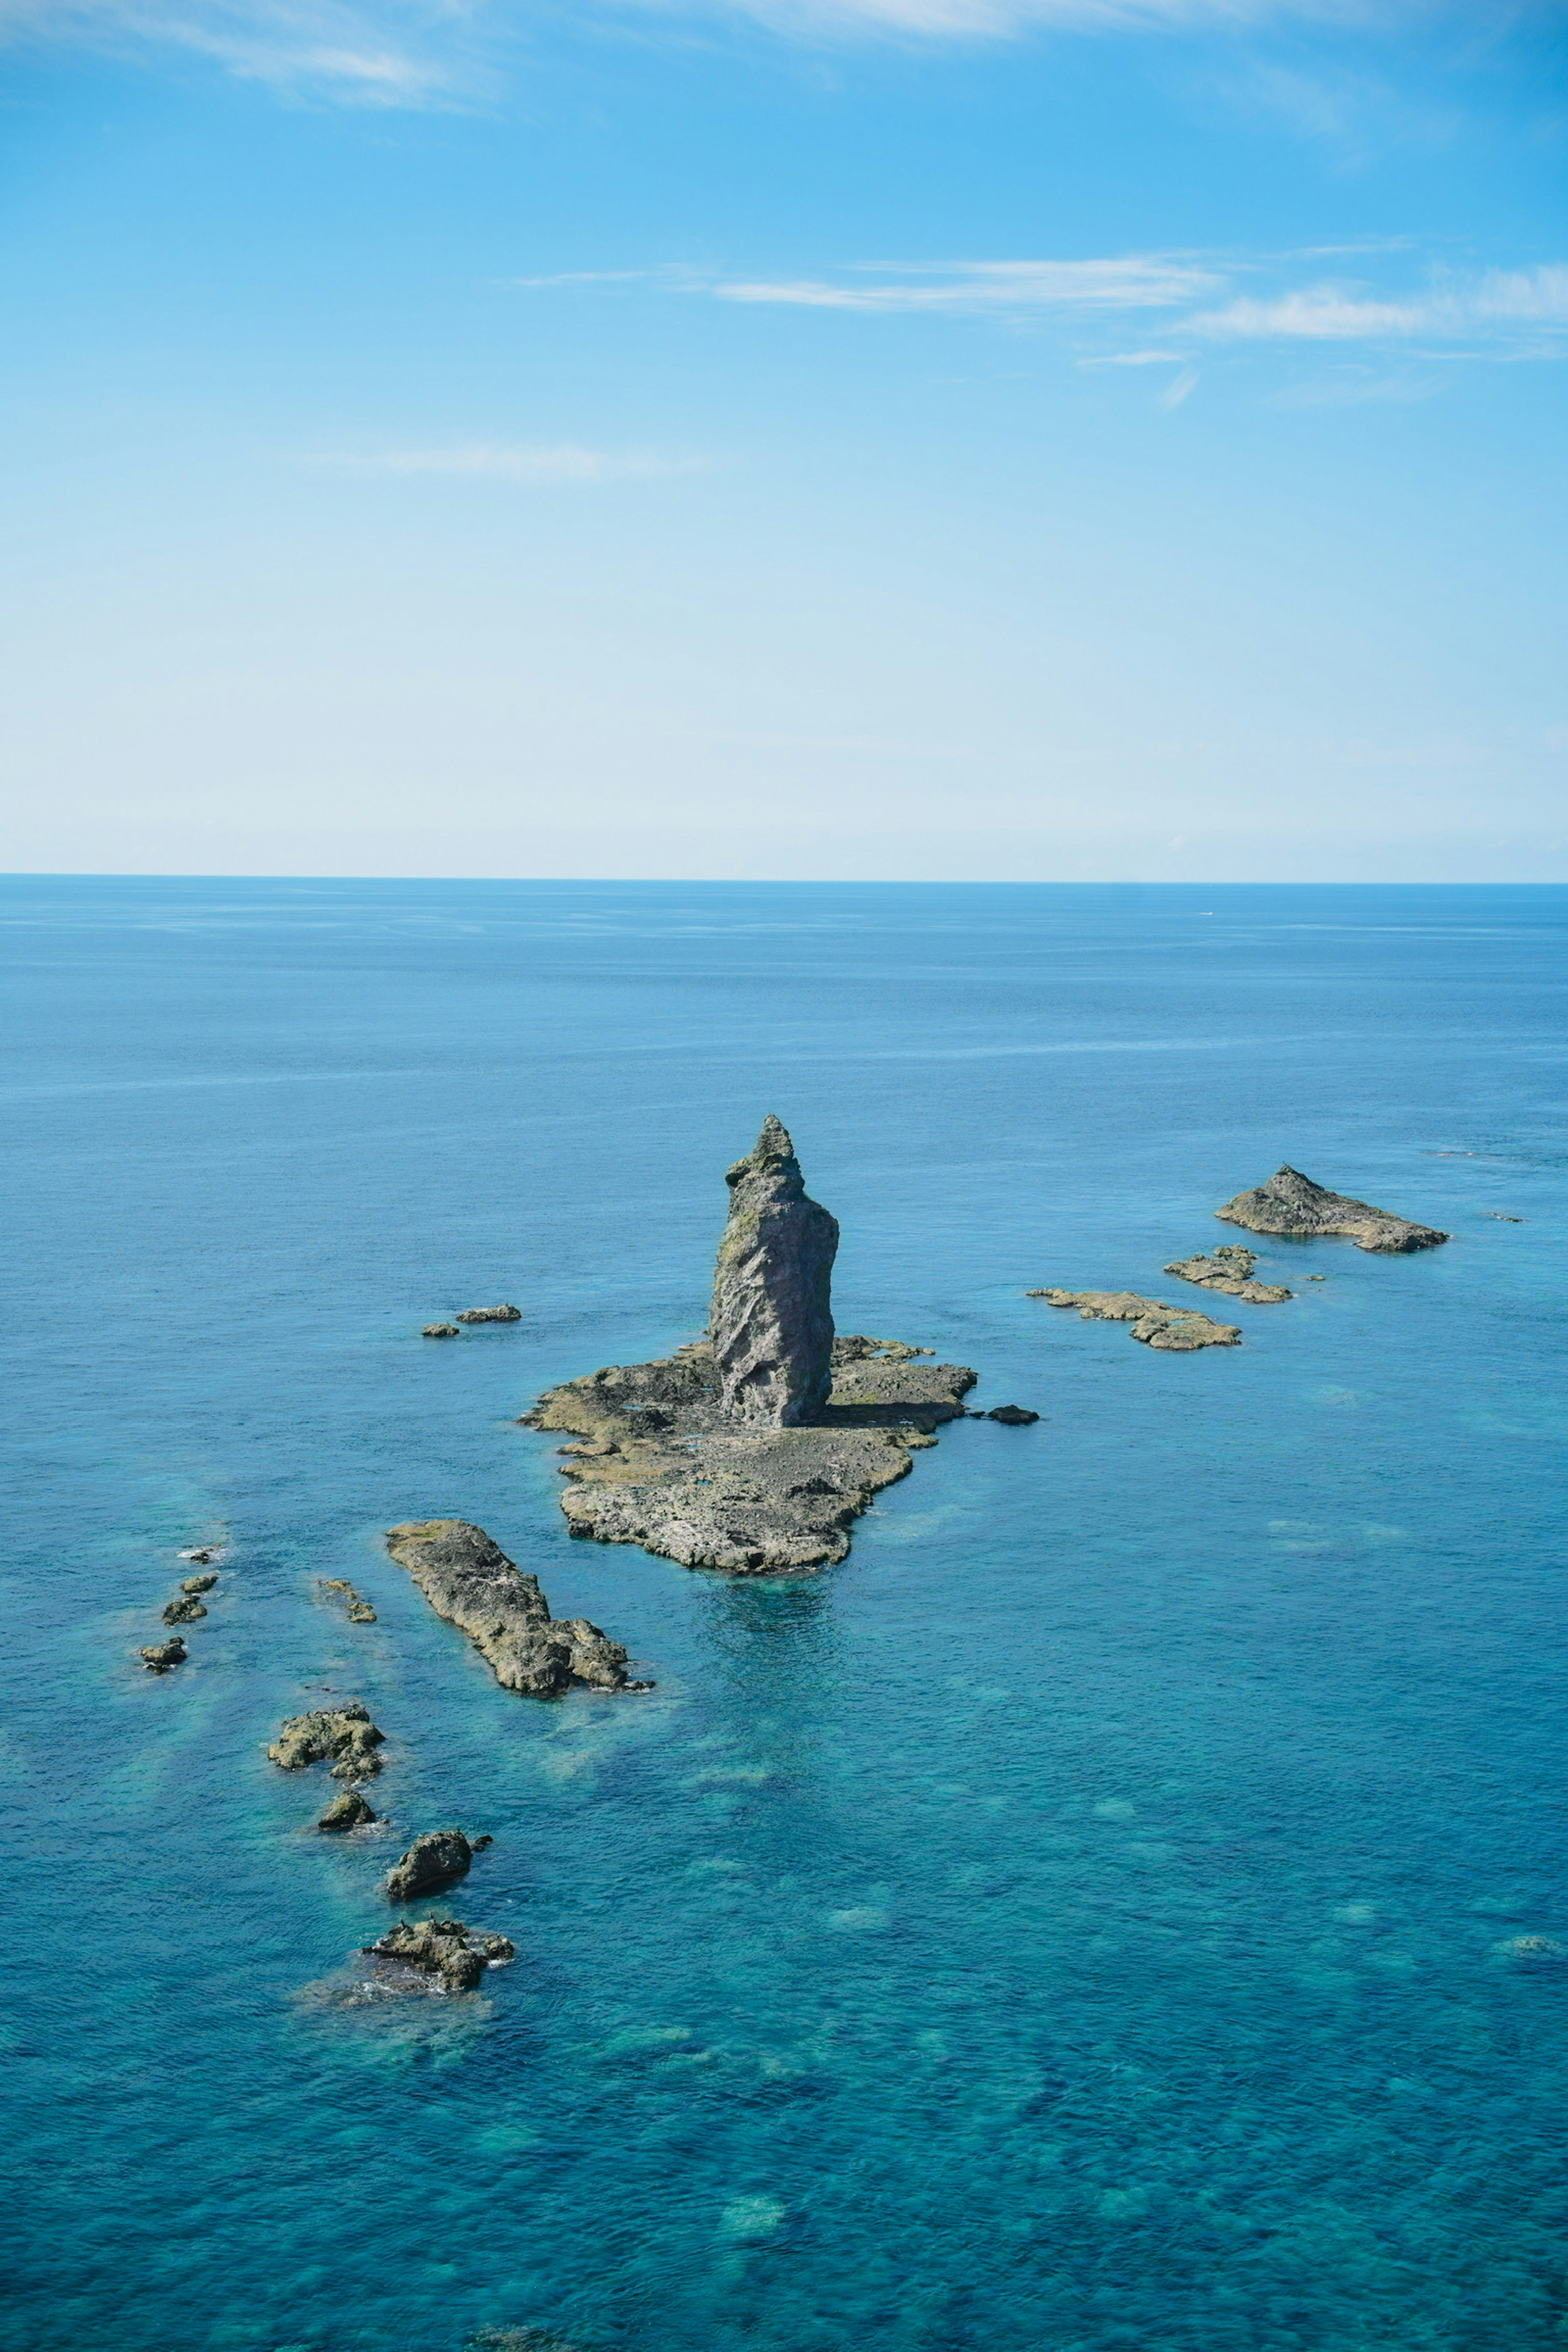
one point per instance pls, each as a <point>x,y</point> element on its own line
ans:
<point>1289,1203</point>
<point>444,1947</point>
<point>360,1613</point>
<point>469,1581</point>
<point>184,1609</point>
<point>1177,1328</point>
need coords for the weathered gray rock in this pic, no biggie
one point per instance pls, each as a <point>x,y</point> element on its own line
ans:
<point>161,1656</point>
<point>348,1811</point>
<point>439,1331</point>
<point>1291,1204</point>
<point>1230,1268</point>
<point>344,1734</point>
<point>470,1581</point>
<point>1179,1330</point>
<point>772,1321</point>
<point>198,1583</point>
<point>490,1314</point>
<point>339,1588</point>
<point>442,1948</point>
<point>661,1466</point>
<point>435,1860</point>
<point>183,1611</point>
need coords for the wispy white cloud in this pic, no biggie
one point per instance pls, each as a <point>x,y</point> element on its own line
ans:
<point>437,53</point>
<point>1498,303</point>
<point>513,462</point>
<point>1130,283</point>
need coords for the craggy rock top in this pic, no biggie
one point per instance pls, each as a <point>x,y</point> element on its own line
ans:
<point>1230,1269</point>
<point>444,1947</point>
<point>660,1465</point>
<point>1179,1330</point>
<point>1291,1204</point>
<point>432,1861</point>
<point>470,1581</point>
<point>772,1320</point>
<point>345,1733</point>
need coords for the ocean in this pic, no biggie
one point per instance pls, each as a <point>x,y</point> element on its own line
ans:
<point>1123,1905</point>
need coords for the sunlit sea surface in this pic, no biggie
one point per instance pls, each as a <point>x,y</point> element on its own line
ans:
<point>1087,1917</point>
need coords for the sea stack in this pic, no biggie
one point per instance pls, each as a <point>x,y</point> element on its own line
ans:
<point>772,1320</point>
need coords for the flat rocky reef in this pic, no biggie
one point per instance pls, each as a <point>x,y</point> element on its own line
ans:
<point>1290,1205</point>
<point>661,1465</point>
<point>1179,1330</point>
<point>1230,1268</point>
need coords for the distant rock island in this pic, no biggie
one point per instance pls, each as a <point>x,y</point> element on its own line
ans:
<point>753,1450</point>
<point>1229,1269</point>
<point>468,1579</point>
<point>1179,1330</point>
<point>1292,1204</point>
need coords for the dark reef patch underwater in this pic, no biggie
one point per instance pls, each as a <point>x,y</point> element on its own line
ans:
<point>1122,1903</point>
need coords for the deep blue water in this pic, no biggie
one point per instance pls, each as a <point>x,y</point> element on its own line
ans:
<point>1077,1921</point>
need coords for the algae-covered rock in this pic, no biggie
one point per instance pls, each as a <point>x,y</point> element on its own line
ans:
<point>468,1579</point>
<point>1291,1204</point>
<point>348,1811</point>
<point>160,1656</point>
<point>344,1735</point>
<point>435,1860</point>
<point>444,1947</point>
<point>771,1324</point>
<point>183,1611</point>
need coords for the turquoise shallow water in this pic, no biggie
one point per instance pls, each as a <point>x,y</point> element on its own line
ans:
<point>1073,1923</point>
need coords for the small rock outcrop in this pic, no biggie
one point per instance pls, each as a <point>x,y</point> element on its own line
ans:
<point>487,1315</point>
<point>159,1657</point>
<point>439,1331</point>
<point>1179,1330</point>
<point>468,1579</point>
<point>770,1325</point>
<point>348,1811</point>
<point>443,1947</point>
<point>1230,1268</point>
<point>1292,1204</point>
<point>1013,1416</point>
<point>183,1611</point>
<point>435,1860</point>
<point>198,1583</point>
<point>344,1735</point>
<point>339,1588</point>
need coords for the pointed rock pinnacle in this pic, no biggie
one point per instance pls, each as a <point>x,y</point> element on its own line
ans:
<point>772,1323</point>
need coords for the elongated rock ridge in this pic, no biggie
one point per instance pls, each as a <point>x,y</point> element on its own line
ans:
<point>1291,1204</point>
<point>468,1579</point>
<point>771,1325</point>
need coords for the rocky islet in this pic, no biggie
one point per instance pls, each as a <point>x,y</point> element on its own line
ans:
<point>434,1860</point>
<point>1293,1206</point>
<point>1175,1329</point>
<point>1230,1268</point>
<point>753,1450</point>
<point>459,1955</point>
<point>342,1735</point>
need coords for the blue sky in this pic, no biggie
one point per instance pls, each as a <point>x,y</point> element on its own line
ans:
<point>895,439</point>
